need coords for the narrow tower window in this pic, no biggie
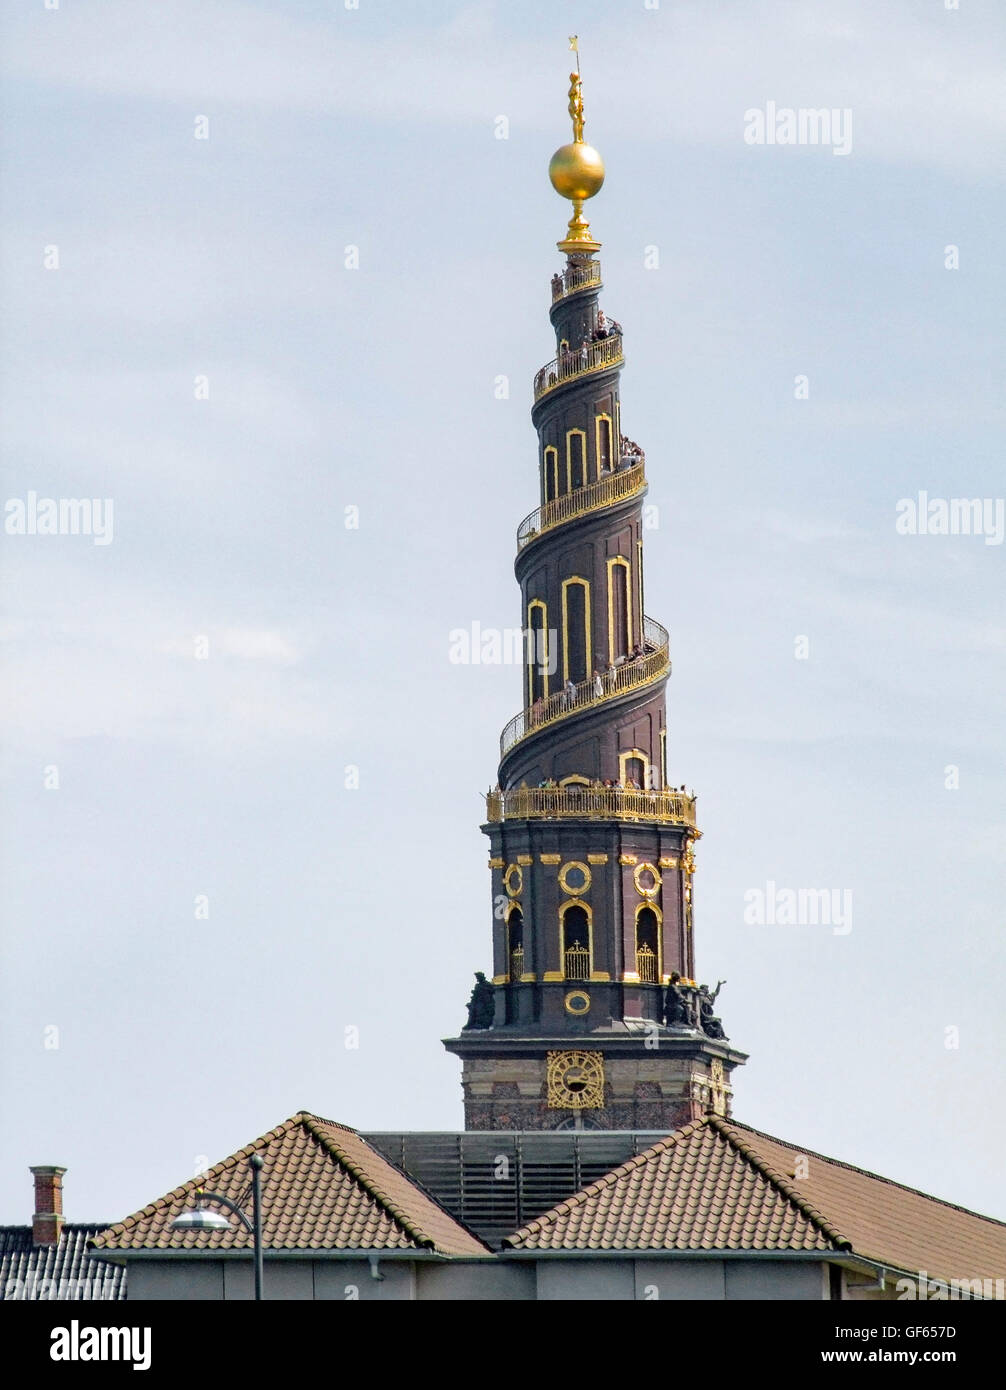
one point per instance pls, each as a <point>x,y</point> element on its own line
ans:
<point>633,766</point>
<point>647,946</point>
<point>604,454</point>
<point>576,464</point>
<point>576,654</point>
<point>551,473</point>
<point>619,611</point>
<point>576,942</point>
<point>537,651</point>
<point>515,944</point>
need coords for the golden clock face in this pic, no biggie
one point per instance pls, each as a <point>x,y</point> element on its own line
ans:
<point>576,1080</point>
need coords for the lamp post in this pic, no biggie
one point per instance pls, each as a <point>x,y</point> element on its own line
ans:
<point>202,1219</point>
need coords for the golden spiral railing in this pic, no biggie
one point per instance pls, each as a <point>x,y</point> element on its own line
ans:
<point>607,685</point>
<point>591,357</point>
<point>615,487</point>
<point>586,802</point>
<point>575,278</point>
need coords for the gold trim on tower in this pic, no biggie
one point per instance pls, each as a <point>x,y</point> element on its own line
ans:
<point>588,656</point>
<point>513,880</point>
<point>619,562</point>
<point>654,872</point>
<point>573,889</point>
<point>575,1080</point>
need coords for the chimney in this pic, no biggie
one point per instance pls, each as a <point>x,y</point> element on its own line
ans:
<point>47,1223</point>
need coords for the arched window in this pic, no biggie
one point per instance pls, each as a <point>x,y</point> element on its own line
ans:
<point>648,946</point>
<point>576,941</point>
<point>605,457</point>
<point>515,944</point>
<point>537,651</point>
<point>551,473</point>
<point>576,460</point>
<point>633,766</point>
<point>619,610</point>
<point>576,653</point>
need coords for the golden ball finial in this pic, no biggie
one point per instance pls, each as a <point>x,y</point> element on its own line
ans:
<point>576,171</point>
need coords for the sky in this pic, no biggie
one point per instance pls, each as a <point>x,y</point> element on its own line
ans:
<point>298,248</point>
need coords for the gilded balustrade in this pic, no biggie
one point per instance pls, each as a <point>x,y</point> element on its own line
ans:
<point>581,801</point>
<point>593,357</point>
<point>609,684</point>
<point>616,487</point>
<point>574,279</point>
<point>646,965</point>
<point>576,963</point>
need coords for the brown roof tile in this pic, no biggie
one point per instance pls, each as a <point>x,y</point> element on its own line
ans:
<point>699,1189</point>
<point>885,1221</point>
<point>719,1185</point>
<point>323,1188</point>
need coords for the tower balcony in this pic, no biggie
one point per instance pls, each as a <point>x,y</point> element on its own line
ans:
<point>591,803</point>
<point>654,664</point>
<point>578,362</point>
<point>615,487</point>
<point>574,279</point>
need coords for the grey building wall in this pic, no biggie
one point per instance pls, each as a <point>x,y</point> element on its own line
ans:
<point>491,1281</point>
<point>575,1279</point>
<point>585,1280</point>
<point>306,1280</point>
<point>176,1279</point>
<point>673,1279</point>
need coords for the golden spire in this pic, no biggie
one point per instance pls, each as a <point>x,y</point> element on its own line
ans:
<point>577,170</point>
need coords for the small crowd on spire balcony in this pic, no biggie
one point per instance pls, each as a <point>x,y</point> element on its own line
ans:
<point>584,693</point>
<point>596,784</point>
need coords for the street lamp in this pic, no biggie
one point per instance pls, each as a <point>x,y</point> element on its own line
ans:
<point>202,1219</point>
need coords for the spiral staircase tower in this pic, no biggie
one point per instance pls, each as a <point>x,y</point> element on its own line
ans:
<point>592,1017</point>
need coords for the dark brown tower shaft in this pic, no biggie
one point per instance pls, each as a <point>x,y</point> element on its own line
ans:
<point>591,850</point>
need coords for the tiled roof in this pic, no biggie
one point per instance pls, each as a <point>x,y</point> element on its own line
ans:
<point>323,1188</point>
<point>894,1225</point>
<point>699,1189</point>
<point>719,1185</point>
<point>30,1272</point>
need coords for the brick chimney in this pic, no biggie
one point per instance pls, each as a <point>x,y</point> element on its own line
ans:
<point>47,1222</point>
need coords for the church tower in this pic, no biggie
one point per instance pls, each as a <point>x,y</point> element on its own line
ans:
<point>592,1017</point>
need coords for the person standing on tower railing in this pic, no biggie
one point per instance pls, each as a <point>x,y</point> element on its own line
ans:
<point>598,686</point>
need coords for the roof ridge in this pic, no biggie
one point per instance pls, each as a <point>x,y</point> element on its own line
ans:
<point>818,1218</point>
<point>612,1176</point>
<point>866,1172</point>
<point>413,1231</point>
<point>192,1184</point>
<point>323,1120</point>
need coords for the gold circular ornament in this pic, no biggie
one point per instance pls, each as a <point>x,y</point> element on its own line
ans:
<point>577,1002</point>
<point>574,878</point>
<point>647,879</point>
<point>575,1080</point>
<point>513,879</point>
